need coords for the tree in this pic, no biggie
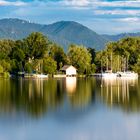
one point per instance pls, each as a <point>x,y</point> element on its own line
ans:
<point>6,65</point>
<point>49,65</point>
<point>6,48</point>
<point>57,53</point>
<point>80,58</point>
<point>35,45</point>
<point>1,69</point>
<point>28,67</point>
<point>93,54</point>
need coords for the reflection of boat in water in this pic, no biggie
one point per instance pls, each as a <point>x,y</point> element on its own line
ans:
<point>127,74</point>
<point>117,90</point>
<point>71,84</point>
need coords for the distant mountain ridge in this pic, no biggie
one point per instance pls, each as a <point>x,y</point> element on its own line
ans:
<point>63,32</point>
<point>120,36</point>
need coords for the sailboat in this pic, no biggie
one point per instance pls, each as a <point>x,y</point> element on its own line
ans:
<point>41,75</point>
<point>126,73</point>
<point>108,73</point>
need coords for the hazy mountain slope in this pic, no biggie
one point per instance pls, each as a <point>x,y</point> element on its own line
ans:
<point>17,29</point>
<point>120,36</point>
<point>63,33</point>
<point>75,33</point>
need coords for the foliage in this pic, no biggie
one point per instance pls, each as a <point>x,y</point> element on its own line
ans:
<point>6,65</point>
<point>49,66</point>
<point>28,67</point>
<point>121,55</point>
<point>37,54</point>
<point>35,45</point>
<point>80,58</point>
<point>57,53</point>
<point>1,69</point>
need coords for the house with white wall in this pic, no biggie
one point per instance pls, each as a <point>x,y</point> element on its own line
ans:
<point>69,70</point>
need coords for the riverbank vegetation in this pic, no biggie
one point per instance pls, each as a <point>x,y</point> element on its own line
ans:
<point>37,54</point>
<point>122,55</point>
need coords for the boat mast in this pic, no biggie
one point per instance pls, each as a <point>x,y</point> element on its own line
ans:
<point>111,61</point>
<point>107,64</point>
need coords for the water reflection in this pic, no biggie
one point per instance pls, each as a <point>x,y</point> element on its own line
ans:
<point>84,93</point>
<point>39,97</point>
<point>121,92</point>
<point>71,85</point>
<point>32,96</point>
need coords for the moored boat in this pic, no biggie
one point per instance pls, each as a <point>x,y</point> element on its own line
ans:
<point>108,75</point>
<point>128,74</point>
<point>41,76</point>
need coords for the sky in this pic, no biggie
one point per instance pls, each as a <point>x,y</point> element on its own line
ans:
<point>102,16</point>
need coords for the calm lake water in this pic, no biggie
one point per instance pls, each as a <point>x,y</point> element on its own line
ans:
<point>69,109</point>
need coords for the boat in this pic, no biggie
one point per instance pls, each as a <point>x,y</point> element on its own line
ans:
<point>108,75</point>
<point>41,76</point>
<point>127,74</point>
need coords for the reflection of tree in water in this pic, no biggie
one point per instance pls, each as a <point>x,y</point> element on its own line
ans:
<point>83,94</point>
<point>121,92</point>
<point>33,96</point>
<point>37,97</point>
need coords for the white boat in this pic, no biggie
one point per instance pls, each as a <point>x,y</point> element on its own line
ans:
<point>41,76</point>
<point>127,74</point>
<point>108,75</point>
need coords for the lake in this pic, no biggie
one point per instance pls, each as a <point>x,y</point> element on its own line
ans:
<point>69,109</point>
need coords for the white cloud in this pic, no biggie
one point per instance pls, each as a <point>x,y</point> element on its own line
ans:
<point>118,12</point>
<point>8,3</point>
<point>76,3</point>
<point>121,3</point>
<point>129,19</point>
<point>100,3</point>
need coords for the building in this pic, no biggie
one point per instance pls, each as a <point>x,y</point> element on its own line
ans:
<point>69,70</point>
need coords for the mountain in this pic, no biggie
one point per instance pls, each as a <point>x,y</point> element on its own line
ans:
<point>120,36</point>
<point>17,29</point>
<point>63,32</point>
<point>75,33</point>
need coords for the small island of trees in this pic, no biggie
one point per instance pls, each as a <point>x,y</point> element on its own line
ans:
<point>37,54</point>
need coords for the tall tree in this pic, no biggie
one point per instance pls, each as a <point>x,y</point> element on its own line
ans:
<point>57,53</point>
<point>35,45</point>
<point>79,57</point>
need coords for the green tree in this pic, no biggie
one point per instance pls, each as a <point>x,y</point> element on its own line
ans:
<point>80,58</point>
<point>93,54</point>
<point>35,45</point>
<point>57,53</point>
<point>6,48</point>
<point>6,65</point>
<point>28,67</point>
<point>49,65</point>
<point>1,69</point>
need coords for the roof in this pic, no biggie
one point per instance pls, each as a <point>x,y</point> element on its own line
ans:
<point>65,67</point>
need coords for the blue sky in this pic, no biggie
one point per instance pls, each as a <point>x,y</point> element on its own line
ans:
<point>103,16</point>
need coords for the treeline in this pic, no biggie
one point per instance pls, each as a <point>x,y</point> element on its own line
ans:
<point>36,54</point>
<point>122,55</point>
